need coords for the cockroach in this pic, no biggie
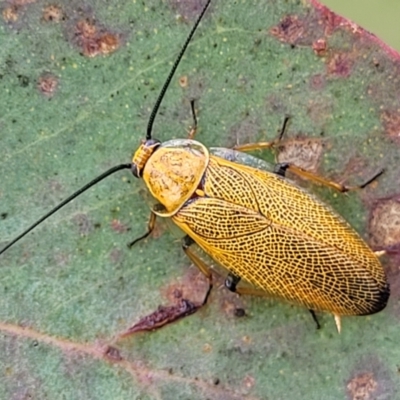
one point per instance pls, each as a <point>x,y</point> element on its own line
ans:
<point>259,226</point>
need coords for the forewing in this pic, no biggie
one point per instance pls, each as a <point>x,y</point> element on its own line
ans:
<point>279,238</point>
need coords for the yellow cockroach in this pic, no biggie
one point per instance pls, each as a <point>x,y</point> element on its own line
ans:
<point>258,225</point>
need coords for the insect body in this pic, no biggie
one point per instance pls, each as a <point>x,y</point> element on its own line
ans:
<point>256,224</point>
<point>264,229</point>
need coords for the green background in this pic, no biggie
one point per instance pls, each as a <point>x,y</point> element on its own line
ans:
<point>71,287</point>
<point>380,17</point>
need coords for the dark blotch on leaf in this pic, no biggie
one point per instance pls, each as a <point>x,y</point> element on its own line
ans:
<point>164,315</point>
<point>289,30</point>
<point>239,312</point>
<point>23,80</point>
<point>112,354</point>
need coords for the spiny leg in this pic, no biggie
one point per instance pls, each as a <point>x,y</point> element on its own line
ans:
<point>233,280</point>
<point>150,227</point>
<point>200,264</point>
<point>281,169</point>
<point>263,145</point>
<point>193,129</point>
<point>314,317</point>
<point>165,315</point>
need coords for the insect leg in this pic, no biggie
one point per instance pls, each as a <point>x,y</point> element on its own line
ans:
<point>256,146</point>
<point>263,145</point>
<point>150,226</point>
<point>193,129</point>
<point>231,282</point>
<point>165,315</point>
<point>314,317</point>
<point>199,263</point>
<point>281,169</point>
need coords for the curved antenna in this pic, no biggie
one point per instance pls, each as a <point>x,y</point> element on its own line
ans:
<point>66,201</point>
<point>121,166</point>
<point>172,72</point>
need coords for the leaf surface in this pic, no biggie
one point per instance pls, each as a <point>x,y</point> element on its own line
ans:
<point>68,289</point>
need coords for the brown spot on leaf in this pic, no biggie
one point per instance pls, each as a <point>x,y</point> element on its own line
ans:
<point>330,20</point>
<point>384,224</point>
<point>85,29</point>
<point>47,84</point>
<point>370,379</point>
<point>83,223</point>
<point>303,152</point>
<point>320,47</point>
<point>108,43</point>
<point>186,299</point>
<point>193,286</point>
<point>93,39</point>
<point>113,354</point>
<point>164,315</point>
<point>362,386</point>
<point>13,10</point>
<point>183,81</point>
<point>317,82</point>
<point>118,226</point>
<point>10,13</point>
<point>207,348</point>
<point>340,64</point>
<point>115,256</point>
<point>53,13</point>
<point>391,122</point>
<point>231,304</point>
<point>289,30</point>
<point>249,381</point>
<point>276,104</point>
<point>320,110</point>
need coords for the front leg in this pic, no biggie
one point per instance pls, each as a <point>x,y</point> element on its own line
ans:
<point>199,263</point>
<point>150,227</point>
<point>165,315</point>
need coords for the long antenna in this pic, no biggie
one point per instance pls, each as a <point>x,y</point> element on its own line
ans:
<point>66,201</point>
<point>172,72</point>
<point>122,166</point>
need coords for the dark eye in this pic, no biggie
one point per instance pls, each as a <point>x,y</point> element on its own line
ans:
<point>135,171</point>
